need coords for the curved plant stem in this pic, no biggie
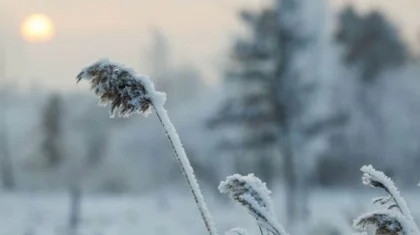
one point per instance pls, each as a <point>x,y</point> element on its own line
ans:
<point>186,167</point>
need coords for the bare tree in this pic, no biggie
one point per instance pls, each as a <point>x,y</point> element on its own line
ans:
<point>52,128</point>
<point>371,45</point>
<point>270,99</point>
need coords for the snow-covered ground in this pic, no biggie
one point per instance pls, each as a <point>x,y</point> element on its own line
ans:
<point>169,213</point>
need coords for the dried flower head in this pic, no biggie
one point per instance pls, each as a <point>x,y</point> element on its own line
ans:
<point>121,87</point>
<point>384,223</point>
<point>252,193</point>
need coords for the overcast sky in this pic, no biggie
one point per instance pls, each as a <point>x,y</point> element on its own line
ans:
<point>199,30</point>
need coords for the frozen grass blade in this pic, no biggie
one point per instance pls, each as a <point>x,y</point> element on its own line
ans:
<point>252,193</point>
<point>128,93</point>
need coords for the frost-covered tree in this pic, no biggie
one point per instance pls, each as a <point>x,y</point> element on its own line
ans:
<point>53,131</point>
<point>6,166</point>
<point>252,101</point>
<point>370,42</point>
<point>93,126</point>
<point>371,45</point>
<point>274,96</point>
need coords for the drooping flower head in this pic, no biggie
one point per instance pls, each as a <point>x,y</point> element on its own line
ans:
<point>119,86</point>
<point>253,194</point>
<point>383,222</point>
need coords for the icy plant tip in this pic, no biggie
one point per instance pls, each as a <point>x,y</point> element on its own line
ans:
<point>397,219</point>
<point>122,88</point>
<point>253,194</point>
<point>377,179</point>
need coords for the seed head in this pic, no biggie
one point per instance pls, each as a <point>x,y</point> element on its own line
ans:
<point>119,86</point>
<point>237,186</point>
<point>385,223</point>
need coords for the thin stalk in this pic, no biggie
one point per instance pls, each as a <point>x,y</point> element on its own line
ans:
<point>186,167</point>
<point>402,206</point>
<point>261,231</point>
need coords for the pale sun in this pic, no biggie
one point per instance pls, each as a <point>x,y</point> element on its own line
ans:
<point>37,28</point>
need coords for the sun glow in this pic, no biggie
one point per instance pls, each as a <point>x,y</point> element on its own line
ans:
<point>37,28</point>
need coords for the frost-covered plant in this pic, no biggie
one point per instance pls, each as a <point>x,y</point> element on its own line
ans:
<point>253,194</point>
<point>396,218</point>
<point>384,222</point>
<point>129,93</point>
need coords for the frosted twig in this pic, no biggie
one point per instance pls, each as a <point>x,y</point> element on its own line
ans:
<point>129,93</point>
